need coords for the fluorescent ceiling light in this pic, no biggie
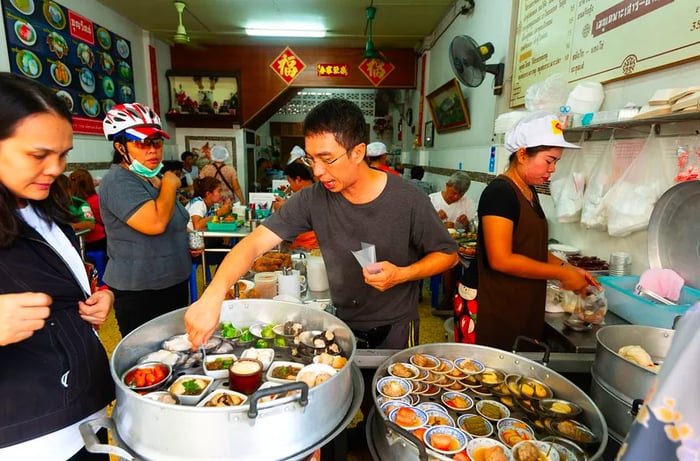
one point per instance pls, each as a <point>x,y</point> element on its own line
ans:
<point>318,33</point>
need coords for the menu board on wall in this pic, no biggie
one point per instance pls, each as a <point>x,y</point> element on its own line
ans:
<point>87,65</point>
<point>601,40</point>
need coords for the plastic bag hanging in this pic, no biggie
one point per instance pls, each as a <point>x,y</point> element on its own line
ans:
<point>601,179</point>
<point>631,200</point>
<point>567,185</point>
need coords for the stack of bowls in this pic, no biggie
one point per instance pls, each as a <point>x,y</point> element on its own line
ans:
<point>620,263</point>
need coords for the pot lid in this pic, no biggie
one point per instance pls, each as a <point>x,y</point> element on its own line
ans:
<point>674,232</point>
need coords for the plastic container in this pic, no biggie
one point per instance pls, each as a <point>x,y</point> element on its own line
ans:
<point>622,300</point>
<point>222,226</point>
<point>266,284</point>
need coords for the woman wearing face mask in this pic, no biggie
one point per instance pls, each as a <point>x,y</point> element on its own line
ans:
<point>149,262</point>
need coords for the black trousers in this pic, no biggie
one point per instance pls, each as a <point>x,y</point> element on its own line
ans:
<point>134,308</point>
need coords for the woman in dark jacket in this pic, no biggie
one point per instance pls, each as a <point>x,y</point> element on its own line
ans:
<point>55,370</point>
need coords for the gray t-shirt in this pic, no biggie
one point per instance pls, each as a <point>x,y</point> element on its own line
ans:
<point>400,222</point>
<point>138,261</point>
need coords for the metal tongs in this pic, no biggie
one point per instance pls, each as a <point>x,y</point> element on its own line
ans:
<point>648,294</point>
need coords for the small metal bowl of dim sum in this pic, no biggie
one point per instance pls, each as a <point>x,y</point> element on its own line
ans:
<point>147,377</point>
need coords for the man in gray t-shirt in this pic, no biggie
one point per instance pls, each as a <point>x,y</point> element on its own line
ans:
<point>350,204</point>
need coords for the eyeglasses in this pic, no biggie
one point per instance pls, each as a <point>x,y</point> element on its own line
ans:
<point>146,143</point>
<point>310,161</point>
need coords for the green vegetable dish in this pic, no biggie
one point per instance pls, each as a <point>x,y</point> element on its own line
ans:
<point>228,331</point>
<point>261,344</point>
<point>246,336</point>
<point>267,332</point>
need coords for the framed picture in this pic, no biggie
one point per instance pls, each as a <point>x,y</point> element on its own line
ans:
<point>448,107</point>
<point>429,134</point>
<point>201,146</point>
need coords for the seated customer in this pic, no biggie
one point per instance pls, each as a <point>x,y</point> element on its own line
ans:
<point>452,205</point>
<point>376,157</point>
<point>82,185</point>
<point>207,192</point>
<point>454,209</point>
<point>299,176</point>
<point>417,173</point>
<point>79,208</point>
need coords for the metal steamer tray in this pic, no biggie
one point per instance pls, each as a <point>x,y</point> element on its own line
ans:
<point>388,442</point>
<point>288,428</point>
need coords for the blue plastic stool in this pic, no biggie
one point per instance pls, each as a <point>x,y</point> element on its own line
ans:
<point>100,258</point>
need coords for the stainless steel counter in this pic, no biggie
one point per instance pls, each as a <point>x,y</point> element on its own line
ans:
<point>574,341</point>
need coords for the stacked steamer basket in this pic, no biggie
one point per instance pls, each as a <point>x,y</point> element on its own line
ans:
<point>492,398</point>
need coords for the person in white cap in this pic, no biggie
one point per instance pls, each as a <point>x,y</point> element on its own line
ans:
<point>513,262</point>
<point>296,154</point>
<point>225,173</point>
<point>376,157</point>
<point>149,262</point>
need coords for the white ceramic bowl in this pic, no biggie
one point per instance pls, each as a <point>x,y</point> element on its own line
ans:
<point>265,355</point>
<point>487,424</point>
<point>511,435</point>
<point>481,443</point>
<point>514,422</point>
<point>391,405</point>
<point>448,399</point>
<point>504,411</point>
<point>421,418</point>
<point>282,364</point>
<point>393,388</point>
<point>217,393</point>
<point>473,366</point>
<point>438,418</point>
<point>459,443</point>
<point>220,373</point>
<point>431,361</point>
<point>314,370</point>
<point>177,389</point>
<point>426,406</point>
<point>412,369</point>
<point>543,448</point>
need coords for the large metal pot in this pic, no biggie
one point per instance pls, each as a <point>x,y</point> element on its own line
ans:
<point>387,445</point>
<point>627,377</point>
<point>618,385</point>
<point>292,429</point>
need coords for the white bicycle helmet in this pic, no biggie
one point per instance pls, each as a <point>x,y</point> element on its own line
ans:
<point>134,120</point>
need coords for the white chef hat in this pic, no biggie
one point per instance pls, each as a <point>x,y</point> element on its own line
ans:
<point>219,153</point>
<point>536,129</point>
<point>376,149</point>
<point>297,152</point>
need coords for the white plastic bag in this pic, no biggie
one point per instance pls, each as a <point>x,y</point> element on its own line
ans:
<point>593,213</point>
<point>630,201</point>
<point>548,95</point>
<point>567,185</point>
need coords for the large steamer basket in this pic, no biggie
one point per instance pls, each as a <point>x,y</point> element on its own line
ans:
<point>287,430</point>
<point>386,444</point>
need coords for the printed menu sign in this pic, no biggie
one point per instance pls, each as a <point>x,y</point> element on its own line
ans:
<point>87,65</point>
<point>601,40</point>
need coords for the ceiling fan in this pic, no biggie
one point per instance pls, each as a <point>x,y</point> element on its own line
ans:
<point>370,51</point>
<point>180,36</point>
